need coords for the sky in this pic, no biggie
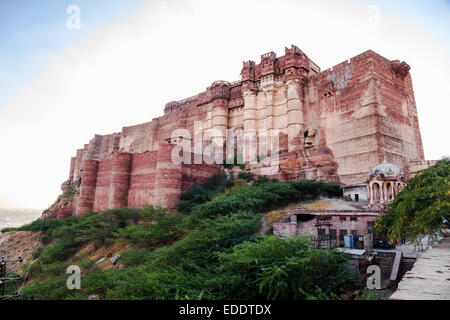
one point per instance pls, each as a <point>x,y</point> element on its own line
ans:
<point>61,85</point>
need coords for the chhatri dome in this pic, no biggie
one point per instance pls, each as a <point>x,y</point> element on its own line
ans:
<point>384,183</point>
<point>387,171</point>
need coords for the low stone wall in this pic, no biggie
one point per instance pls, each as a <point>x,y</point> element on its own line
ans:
<point>285,229</point>
<point>385,259</point>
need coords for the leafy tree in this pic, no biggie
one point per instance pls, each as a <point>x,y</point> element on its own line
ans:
<point>420,207</point>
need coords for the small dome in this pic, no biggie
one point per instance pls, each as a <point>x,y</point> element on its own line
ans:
<point>387,170</point>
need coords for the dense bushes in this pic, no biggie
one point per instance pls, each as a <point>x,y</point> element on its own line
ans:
<point>273,268</point>
<point>201,193</point>
<point>266,191</point>
<point>159,228</point>
<point>71,234</point>
<point>262,196</point>
<point>210,251</point>
<point>211,236</point>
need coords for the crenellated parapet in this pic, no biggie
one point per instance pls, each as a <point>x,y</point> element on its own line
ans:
<point>294,64</point>
<point>248,72</point>
<point>219,90</point>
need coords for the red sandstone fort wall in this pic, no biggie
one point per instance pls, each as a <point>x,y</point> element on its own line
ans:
<point>368,115</point>
<point>87,189</point>
<point>102,186</point>
<point>120,180</point>
<point>136,180</point>
<point>142,179</point>
<point>351,118</point>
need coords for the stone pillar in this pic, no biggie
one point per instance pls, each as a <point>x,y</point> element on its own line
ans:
<point>220,122</point>
<point>249,120</point>
<point>85,202</point>
<point>72,168</point>
<point>168,178</point>
<point>120,180</point>
<point>77,165</point>
<point>295,115</point>
<point>392,192</point>
<point>220,118</point>
<point>269,91</point>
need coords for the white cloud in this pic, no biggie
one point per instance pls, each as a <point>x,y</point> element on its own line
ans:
<point>125,72</point>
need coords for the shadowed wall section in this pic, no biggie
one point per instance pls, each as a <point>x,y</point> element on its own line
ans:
<point>142,179</point>
<point>103,183</point>
<point>86,199</point>
<point>120,180</point>
<point>136,180</point>
<point>168,178</point>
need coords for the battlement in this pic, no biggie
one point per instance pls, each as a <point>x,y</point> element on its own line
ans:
<point>219,90</point>
<point>292,50</point>
<point>293,60</point>
<point>269,55</point>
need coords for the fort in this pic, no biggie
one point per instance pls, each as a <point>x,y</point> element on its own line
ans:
<point>336,125</point>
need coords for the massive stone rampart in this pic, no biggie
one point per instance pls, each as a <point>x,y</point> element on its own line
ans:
<point>334,125</point>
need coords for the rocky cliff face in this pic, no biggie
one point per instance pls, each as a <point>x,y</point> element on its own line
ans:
<point>333,125</point>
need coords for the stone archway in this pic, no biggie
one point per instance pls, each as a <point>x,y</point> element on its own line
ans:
<point>389,191</point>
<point>376,190</point>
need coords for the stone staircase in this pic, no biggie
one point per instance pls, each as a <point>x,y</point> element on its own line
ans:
<point>406,264</point>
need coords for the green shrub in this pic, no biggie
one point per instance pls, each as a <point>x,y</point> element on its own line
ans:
<point>261,180</point>
<point>162,231</point>
<point>368,295</point>
<point>274,268</point>
<point>261,197</point>
<point>137,257</point>
<point>201,193</point>
<point>58,252</point>
<point>247,176</point>
<point>198,249</point>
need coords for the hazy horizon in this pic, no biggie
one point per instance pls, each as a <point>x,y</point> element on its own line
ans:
<point>14,218</point>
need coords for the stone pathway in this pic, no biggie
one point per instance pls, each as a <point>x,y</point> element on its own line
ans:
<point>429,279</point>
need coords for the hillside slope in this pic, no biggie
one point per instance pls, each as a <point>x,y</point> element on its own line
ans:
<point>18,244</point>
<point>209,250</point>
